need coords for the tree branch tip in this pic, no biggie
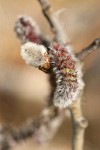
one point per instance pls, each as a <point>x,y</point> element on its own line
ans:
<point>97,41</point>
<point>89,49</point>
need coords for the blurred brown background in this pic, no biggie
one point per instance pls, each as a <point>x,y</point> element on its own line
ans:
<point>24,89</point>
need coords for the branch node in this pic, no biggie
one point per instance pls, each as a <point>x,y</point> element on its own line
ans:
<point>82,123</point>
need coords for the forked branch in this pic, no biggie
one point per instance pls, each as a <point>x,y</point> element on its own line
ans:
<point>44,127</point>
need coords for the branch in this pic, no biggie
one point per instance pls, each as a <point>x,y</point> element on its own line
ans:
<point>86,51</point>
<point>46,125</point>
<point>53,22</point>
<point>46,11</point>
<point>79,123</point>
<point>42,129</point>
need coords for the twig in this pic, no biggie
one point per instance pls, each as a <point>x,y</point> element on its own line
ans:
<point>45,126</point>
<point>86,51</point>
<point>42,129</point>
<point>53,22</point>
<point>79,123</point>
<point>5,137</point>
<point>46,11</point>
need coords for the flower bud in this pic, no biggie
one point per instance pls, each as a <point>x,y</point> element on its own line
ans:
<point>67,70</point>
<point>27,30</point>
<point>35,55</point>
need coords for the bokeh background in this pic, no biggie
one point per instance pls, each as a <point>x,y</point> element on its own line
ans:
<point>24,89</point>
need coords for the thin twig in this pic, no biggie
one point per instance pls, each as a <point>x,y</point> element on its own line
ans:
<point>42,129</point>
<point>46,11</point>
<point>86,51</point>
<point>53,22</point>
<point>45,126</point>
<point>79,123</point>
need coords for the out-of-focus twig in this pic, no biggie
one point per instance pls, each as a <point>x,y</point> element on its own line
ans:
<point>41,129</point>
<point>86,51</point>
<point>5,138</point>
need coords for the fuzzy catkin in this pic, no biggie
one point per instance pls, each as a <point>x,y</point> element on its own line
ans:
<point>28,30</point>
<point>34,54</point>
<point>68,74</point>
